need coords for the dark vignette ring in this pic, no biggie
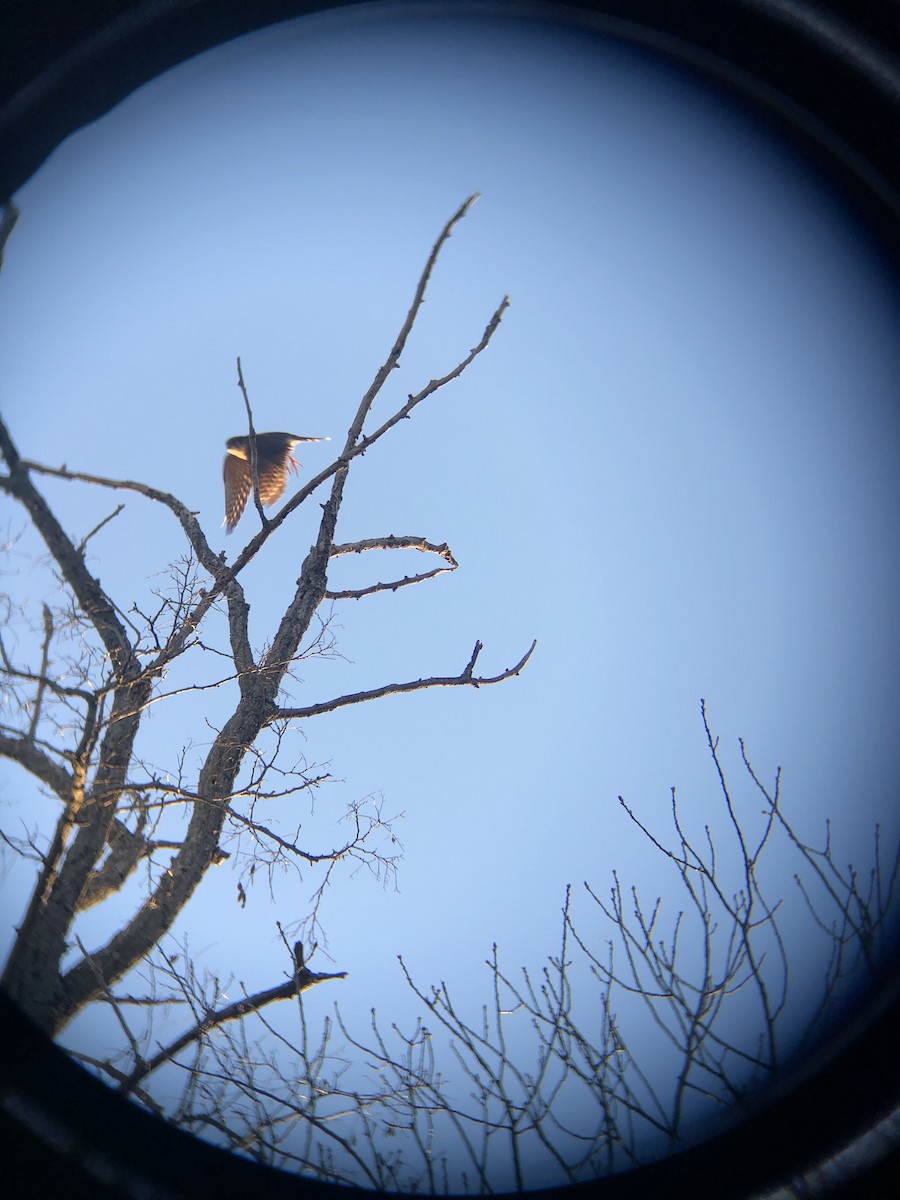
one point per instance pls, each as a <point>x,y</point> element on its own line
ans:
<point>827,73</point>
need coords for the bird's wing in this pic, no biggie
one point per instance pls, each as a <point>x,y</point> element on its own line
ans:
<point>273,469</point>
<point>238,486</point>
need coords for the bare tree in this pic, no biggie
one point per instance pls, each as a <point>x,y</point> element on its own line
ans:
<point>80,681</point>
<point>556,1078</point>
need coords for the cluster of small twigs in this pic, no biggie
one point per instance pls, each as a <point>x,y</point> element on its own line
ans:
<point>556,1079</point>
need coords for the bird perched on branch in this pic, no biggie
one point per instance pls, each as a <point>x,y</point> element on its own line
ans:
<point>273,461</point>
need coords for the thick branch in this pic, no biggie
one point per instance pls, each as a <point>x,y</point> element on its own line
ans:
<point>31,975</point>
<point>466,678</point>
<point>23,751</point>
<point>126,849</point>
<point>177,884</point>
<point>92,599</point>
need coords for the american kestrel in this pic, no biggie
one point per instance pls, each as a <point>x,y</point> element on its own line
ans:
<point>273,461</point>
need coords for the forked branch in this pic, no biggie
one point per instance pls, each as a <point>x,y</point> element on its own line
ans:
<point>466,678</point>
<point>392,543</point>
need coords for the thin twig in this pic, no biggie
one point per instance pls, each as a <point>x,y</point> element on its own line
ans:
<point>87,537</point>
<point>254,459</point>
<point>42,674</point>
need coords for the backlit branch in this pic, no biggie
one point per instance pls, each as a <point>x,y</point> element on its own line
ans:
<point>186,518</point>
<point>433,385</point>
<point>466,678</point>
<point>300,981</point>
<point>392,543</point>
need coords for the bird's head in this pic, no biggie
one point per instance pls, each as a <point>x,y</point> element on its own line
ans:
<point>239,447</point>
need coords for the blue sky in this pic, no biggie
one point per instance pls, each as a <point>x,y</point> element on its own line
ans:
<point>675,465</point>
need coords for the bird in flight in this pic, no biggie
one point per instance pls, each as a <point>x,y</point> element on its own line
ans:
<point>274,458</point>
